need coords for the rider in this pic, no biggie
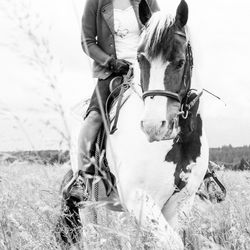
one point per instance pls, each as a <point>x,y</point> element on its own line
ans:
<point>110,36</point>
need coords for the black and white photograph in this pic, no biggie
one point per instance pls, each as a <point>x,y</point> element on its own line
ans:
<point>124,124</point>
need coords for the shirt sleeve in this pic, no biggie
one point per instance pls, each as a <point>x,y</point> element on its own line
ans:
<point>89,33</point>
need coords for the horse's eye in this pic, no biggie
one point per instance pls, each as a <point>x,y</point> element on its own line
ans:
<point>140,57</point>
<point>180,64</point>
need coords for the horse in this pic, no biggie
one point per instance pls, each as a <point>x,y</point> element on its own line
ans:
<point>159,152</point>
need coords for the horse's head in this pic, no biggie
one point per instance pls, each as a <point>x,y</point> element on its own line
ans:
<point>165,60</point>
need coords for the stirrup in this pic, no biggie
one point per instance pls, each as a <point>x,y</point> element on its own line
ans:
<point>79,190</point>
<point>67,188</point>
<point>66,192</point>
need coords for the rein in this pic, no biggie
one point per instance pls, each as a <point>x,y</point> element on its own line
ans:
<point>126,83</point>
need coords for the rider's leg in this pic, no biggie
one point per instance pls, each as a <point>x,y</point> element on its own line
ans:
<point>93,122</point>
<point>87,136</point>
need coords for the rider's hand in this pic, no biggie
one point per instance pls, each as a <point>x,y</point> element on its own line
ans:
<point>119,66</point>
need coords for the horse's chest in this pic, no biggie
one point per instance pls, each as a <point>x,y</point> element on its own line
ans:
<point>142,166</point>
<point>157,179</point>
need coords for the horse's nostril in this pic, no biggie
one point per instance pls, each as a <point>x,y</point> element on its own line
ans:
<point>141,124</point>
<point>171,125</point>
<point>160,124</point>
<point>163,123</point>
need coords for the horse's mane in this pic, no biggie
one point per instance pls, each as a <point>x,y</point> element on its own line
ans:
<point>158,35</point>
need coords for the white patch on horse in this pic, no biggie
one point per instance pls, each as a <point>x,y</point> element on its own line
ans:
<point>157,74</point>
<point>154,117</point>
<point>155,108</point>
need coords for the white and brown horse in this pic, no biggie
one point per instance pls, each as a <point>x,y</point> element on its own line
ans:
<point>159,154</point>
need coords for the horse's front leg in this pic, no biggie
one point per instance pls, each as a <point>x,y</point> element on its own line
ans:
<point>150,217</point>
<point>178,207</point>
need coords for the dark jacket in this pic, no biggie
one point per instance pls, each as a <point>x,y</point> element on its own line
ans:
<point>98,30</point>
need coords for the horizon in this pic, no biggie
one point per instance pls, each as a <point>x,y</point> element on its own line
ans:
<point>63,150</point>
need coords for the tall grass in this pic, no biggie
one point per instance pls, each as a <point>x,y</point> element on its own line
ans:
<point>30,206</point>
<point>225,225</point>
<point>29,199</point>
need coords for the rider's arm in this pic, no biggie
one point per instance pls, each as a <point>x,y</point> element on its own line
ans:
<point>89,33</point>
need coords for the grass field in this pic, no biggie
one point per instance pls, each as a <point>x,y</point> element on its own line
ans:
<point>30,205</point>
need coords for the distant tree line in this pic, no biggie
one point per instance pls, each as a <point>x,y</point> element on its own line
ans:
<point>46,157</point>
<point>228,157</point>
<point>234,158</point>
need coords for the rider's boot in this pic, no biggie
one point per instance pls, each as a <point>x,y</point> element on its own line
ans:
<point>87,137</point>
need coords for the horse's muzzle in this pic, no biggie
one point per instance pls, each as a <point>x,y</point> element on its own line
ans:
<point>159,130</point>
<point>155,130</point>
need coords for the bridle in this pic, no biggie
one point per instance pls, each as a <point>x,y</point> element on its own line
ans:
<point>186,80</point>
<point>153,93</point>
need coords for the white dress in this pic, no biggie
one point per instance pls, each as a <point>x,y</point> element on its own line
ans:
<point>127,34</point>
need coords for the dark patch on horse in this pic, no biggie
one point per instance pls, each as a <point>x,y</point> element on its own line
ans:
<point>163,45</point>
<point>144,71</point>
<point>188,147</point>
<point>166,43</point>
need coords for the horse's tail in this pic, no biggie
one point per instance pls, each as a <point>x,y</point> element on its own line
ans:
<point>68,228</point>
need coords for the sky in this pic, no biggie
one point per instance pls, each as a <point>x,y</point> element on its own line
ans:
<point>221,39</point>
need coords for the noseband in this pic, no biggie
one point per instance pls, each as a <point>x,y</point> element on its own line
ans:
<point>185,80</point>
<point>153,93</point>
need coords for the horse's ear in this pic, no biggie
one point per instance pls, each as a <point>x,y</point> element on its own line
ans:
<point>182,13</point>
